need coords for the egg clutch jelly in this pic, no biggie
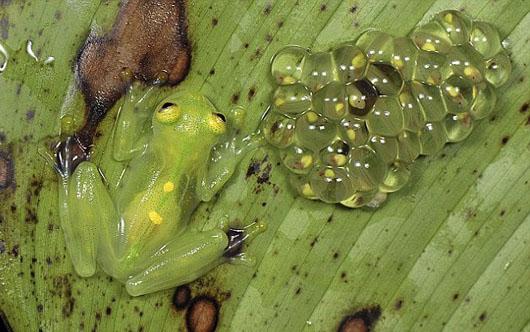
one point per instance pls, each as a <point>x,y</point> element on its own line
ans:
<point>348,123</point>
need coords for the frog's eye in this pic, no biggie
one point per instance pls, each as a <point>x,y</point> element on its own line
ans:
<point>168,113</point>
<point>216,122</point>
<point>221,116</point>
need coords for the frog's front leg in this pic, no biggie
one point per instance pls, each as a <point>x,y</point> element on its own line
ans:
<point>190,256</point>
<point>226,156</point>
<point>132,125</point>
<point>86,212</point>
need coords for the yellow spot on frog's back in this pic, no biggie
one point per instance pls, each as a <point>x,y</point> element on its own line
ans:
<point>155,217</point>
<point>169,187</point>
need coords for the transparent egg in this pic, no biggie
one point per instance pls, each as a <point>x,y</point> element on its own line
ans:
<point>360,199</point>
<point>484,101</point>
<point>297,159</point>
<point>318,70</point>
<point>331,184</point>
<point>432,138</point>
<point>278,129</point>
<point>485,39</point>
<point>458,126</point>
<point>431,68</point>
<point>430,99</point>
<point>350,62</point>
<point>456,25</point>
<point>366,169</point>
<point>331,101</point>
<point>408,146</point>
<point>498,69</point>
<point>385,147</point>
<point>362,96</point>
<point>354,131</point>
<point>286,66</point>
<point>336,154</point>
<point>404,57</point>
<point>314,131</point>
<point>292,99</point>
<point>397,177</point>
<point>301,184</point>
<point>465,61</point>
<point>431,37</point>
<point>458,93</point>
<point>413,117</point>
<point>386,118</point>
<point>376,45</point>
<point>385,79</point>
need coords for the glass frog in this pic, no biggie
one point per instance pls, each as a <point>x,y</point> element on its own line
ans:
<point>138,231</point>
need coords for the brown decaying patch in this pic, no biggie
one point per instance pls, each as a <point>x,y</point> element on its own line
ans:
<point>361,321</point>
<point>149,39</point>
<point>203,314</point>
<point>182,297</point>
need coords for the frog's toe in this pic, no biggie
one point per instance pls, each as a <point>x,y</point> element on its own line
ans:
<point>237,238</point>
<point>69,153</point>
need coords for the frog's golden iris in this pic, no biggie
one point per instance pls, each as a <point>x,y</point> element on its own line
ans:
<point>168,113</point>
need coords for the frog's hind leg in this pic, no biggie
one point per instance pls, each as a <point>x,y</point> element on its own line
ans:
<point>85,206</point>
<point>190,256</point>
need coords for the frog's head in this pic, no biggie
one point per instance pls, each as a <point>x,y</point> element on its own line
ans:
<point>189,115</point>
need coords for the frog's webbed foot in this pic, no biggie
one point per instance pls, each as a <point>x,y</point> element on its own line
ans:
<point>192,255</point>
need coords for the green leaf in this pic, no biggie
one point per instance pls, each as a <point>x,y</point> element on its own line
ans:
<point>451,250</point>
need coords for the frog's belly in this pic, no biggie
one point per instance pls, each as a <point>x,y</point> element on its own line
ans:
<point>143,231</point>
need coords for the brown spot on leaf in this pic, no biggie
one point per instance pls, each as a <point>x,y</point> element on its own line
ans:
<point>149,39</point>
<point>505,140</point>
<point>361,321</point>
<point>524,108</point>
<point>215,21</point>
<point>399,304</point>
<point>482,316</point>
<point>182,297</point>
<point>203,314</point>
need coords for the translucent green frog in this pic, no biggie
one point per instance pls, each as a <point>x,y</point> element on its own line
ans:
<point>138,231</point>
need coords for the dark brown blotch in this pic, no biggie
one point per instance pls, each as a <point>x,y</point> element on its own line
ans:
<point>182,297</point>
<point>149,38</point>
<point>361,321</point>
<point>524,108</point>
<point>203,314</point>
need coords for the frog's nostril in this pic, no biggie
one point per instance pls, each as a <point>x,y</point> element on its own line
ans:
<point>166,106</point>
<point>221,116</point>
